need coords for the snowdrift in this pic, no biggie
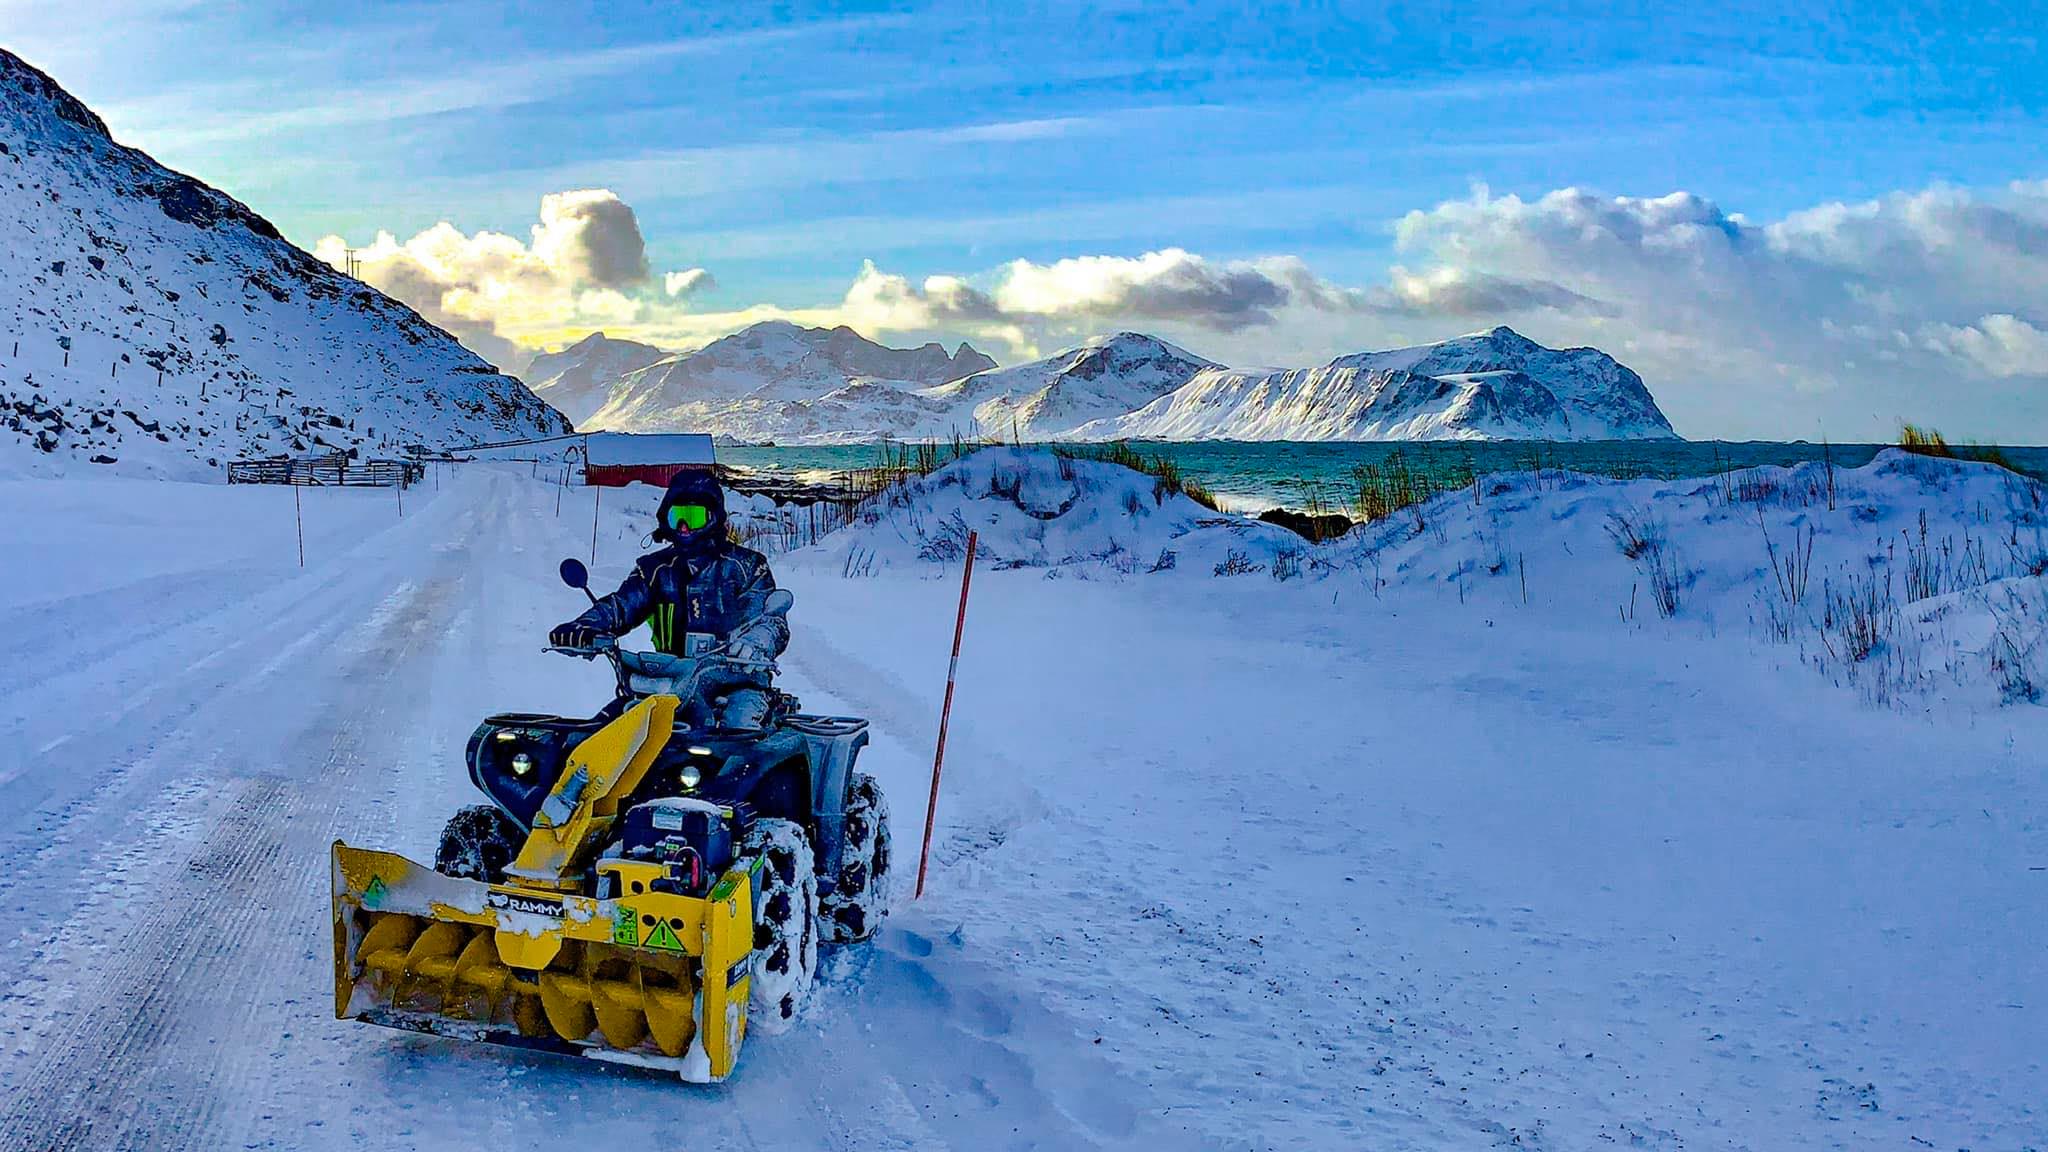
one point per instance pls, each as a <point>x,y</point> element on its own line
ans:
<point>1032,508</point>
<point>1906,574</point>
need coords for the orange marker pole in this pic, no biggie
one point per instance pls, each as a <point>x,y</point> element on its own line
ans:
<point>931,809</point>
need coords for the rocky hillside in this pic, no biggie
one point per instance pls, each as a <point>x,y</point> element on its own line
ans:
<point>152,324</point>
<point>1496,385</point>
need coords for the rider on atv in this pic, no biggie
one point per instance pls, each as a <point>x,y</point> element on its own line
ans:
<point>700,585</point>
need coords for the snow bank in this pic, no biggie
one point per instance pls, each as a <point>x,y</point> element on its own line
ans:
<point>1033,509</point>
<point>1905,573</point>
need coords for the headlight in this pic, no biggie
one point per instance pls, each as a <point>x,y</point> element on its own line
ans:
<point>521,764</point>
<point>691,776</point>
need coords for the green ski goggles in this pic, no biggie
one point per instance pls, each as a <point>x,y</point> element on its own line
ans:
<point>688,517</point>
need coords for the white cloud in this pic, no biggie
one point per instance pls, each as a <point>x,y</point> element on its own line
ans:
<point>2001,344</point>
<point>1172,284</point>
<point>1844,317</point>
<point>584,262</point>
<point>680,284</point>
<point>591,236</point>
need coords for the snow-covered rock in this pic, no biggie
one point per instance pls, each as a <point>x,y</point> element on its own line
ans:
<point>578,380</point>
<point>777,381</point>
<point>1496,385</point>
<point>155,325</point>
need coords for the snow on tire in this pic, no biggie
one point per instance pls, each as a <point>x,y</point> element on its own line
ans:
<point>478,843</point>
<point>860,898</point>
<point>785,925</point>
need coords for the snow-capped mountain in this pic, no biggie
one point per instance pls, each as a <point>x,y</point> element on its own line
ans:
<point>1495,385</point>
<point>578,380</point>
<point>1046,399</point>
<point>778,381</point>
<point>156,325</point>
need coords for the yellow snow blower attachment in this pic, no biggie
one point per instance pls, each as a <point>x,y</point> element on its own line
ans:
<point>646,977</point>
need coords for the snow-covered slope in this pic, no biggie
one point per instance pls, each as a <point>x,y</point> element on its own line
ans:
<point>153,324</point>
<point>777,381</point>
<point>578,380</point>
<point>1496,385</point>
<point>1044,399</point>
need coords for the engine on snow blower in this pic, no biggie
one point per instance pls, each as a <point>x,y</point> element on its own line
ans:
<point>694,841</point>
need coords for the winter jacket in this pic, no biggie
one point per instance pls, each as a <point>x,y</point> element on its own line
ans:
<point>700,583</point>
<point>677,593</point>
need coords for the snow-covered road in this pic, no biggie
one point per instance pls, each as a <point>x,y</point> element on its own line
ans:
<point>183,750</point>
<point>1220,863</point>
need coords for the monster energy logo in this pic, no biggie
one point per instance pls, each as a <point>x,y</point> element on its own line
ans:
<point>664,626</point>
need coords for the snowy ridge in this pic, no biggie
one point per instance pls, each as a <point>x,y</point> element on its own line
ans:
<point>580,379</point>
<point>1496,385</point>
<point>775,382</point>
<point>1049,398</point>
<point>778,381</point>
<point>119,269</point>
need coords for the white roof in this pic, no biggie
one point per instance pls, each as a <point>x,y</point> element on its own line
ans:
<point>669,448</point>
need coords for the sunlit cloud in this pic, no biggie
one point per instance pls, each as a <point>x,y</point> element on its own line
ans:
<point>1860,313</point>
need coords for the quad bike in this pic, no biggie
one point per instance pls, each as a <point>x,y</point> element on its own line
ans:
<point>639,888</point>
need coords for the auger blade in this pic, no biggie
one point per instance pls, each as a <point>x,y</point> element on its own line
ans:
<point>617,980</point>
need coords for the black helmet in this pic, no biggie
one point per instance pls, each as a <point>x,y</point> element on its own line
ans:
<point>677,520</point>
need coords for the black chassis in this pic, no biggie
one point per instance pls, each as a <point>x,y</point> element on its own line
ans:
<point>797,769</point>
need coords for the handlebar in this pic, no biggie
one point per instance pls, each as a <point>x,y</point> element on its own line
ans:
<point>660,665</point>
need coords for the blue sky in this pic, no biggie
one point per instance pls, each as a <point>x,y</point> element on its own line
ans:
<point>779,149</point>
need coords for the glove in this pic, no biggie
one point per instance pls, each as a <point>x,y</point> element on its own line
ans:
<point>751,644</point>
<point>573,635</point>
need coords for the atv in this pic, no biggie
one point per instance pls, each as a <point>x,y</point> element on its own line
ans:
<point>642,885</point>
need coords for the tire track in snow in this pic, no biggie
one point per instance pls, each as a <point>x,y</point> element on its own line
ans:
<point>190,960</point>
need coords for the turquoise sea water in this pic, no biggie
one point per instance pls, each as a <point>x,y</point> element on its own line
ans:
<point>1254,475</point>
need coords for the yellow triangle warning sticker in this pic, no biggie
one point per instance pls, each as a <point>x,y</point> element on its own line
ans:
<point>662,938</point>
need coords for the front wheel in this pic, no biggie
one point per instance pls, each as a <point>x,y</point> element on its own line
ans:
<point>478,843</point>
<point>860,896</point>
<point>785,924</point>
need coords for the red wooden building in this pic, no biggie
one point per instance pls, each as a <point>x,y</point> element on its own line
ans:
<point>616,459</point>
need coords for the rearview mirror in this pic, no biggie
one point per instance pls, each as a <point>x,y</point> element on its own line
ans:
<point>574,574</point>
<point>777,603</point>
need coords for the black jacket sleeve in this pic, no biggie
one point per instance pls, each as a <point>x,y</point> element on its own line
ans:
<point>624,610</point>
<point>757,582</point>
